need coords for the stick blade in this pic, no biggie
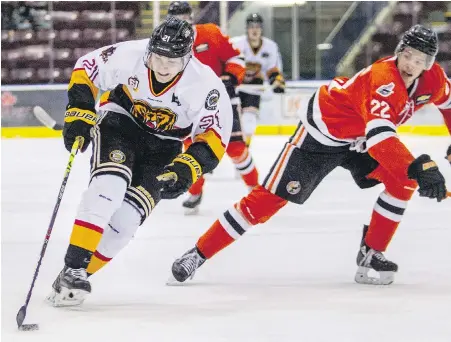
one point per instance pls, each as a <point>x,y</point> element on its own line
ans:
<point>45,118</point>
<point>29,327</point>
<point>21,316</point>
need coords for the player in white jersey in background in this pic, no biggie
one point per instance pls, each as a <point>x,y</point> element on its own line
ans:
<point>156,95</point>
<point>263,62</point>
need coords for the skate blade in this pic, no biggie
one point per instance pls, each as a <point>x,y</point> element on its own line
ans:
<point>191,211</point>
<point>362,277</point>
<point>66,298</point>
<point>172,281</point>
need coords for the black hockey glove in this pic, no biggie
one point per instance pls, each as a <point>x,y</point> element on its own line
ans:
<point>178,176</point>
<point>230,83</point>
<point>429,178</point>
<point>278,83</point>
<point>78,122</point>
<point>448,154</point>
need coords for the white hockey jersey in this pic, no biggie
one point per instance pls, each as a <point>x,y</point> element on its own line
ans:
<point>264,61</point>
<point>194,104</point>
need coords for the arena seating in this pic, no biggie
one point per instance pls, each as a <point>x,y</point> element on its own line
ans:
<point>406,14</point>
<point>57,36</point>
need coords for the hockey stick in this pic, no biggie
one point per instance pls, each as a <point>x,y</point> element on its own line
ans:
<point>23,310</point>
<point>46,119</point>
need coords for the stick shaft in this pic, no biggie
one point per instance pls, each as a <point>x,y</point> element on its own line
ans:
<point>73,152</point>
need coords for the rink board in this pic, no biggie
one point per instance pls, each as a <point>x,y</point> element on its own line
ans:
<point>278,112</point>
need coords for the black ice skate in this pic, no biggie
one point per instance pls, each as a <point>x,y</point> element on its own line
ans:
<point>70,287</point>
<point>185,266</point>
<point>191,204</point>
<point>370,259</point>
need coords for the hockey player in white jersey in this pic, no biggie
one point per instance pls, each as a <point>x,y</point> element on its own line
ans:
<point>263,62</point>
<point>156,95</point>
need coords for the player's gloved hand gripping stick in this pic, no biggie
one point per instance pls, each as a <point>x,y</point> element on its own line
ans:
<point>23,310</point>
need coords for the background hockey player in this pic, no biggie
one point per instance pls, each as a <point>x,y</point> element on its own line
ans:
<point>351,123</point>
<point>263,62</point>
<point>158,95</point>
<point>214,49</point>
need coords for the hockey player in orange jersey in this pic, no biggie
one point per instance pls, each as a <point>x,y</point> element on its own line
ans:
<point>350,123</point>
<point>214,49</point>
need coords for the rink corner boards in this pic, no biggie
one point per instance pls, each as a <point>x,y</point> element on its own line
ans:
<point>44,132</point>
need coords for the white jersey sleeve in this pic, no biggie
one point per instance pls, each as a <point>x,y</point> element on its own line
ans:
<point>100,70</point>
<point>274,63</point>
<point>214,126</point>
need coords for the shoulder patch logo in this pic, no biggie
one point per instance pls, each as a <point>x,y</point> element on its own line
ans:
<point>422,99</point>
<point>133,82</point>
<point>107,53</point>
<point>211,103</point>
<point>386,90</point>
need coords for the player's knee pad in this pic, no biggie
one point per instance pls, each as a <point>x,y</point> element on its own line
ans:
<point>120,230</point>
<point>141,199</point>
<point>401,189</point>
<point>249,121</point>
<point>102,198</point>
<point>260,205</point>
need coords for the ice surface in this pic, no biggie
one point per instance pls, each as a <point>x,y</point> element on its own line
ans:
<point>288,280</point>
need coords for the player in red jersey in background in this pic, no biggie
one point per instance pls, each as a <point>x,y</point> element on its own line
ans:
<point>214,49</point>
<point>350,123</point>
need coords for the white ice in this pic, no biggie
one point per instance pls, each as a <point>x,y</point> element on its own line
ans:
<point>288,280</point>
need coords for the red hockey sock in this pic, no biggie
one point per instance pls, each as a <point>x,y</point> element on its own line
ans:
<point>257,207</point>
<point>251,178</point>
<point>388,210</point>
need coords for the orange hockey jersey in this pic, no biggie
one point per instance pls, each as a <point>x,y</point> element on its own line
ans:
<point>214,49</point>
<point>371,105</point>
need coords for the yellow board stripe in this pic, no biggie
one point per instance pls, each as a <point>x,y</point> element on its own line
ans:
<point>436,130</point>
<point>85,238</point>
<point>30,132</point>
<point>44,132</point>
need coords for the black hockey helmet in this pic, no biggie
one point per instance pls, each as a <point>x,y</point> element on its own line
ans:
<point>422,39</point>
<point>254,18</point>
<point>179,8</point>
<point>173,38</point>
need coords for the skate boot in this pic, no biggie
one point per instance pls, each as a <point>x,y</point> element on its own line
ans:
<point>191,204</point>
<point>369,259</point>
<point>70,287</point>
<point>185,266</point>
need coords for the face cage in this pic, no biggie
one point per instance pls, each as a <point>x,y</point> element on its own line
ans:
<point>185,59</point>
<point>180,16</point>
<point>429,59</point>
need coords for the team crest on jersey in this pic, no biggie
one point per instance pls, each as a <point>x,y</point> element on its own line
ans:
<point>154,117</point>
<point>107,53</point>
<point>253,68</point>
<point>133,82</point>
<point>386,90</point>
<point>265,55</point>
<point>117,156</point>
<point>293,187</point>
<point>201,47</point>
<point>422,99</point>
<point>175,100</point>
<point>211,103</point>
